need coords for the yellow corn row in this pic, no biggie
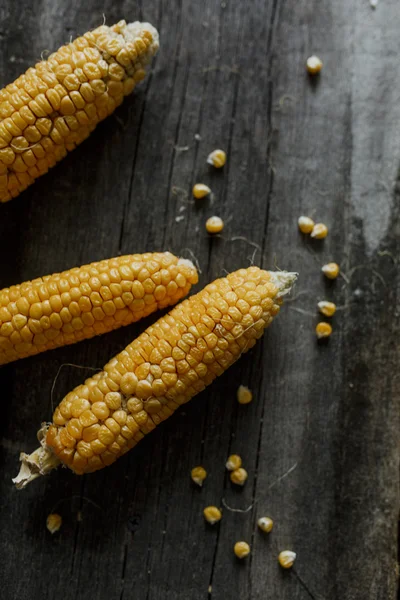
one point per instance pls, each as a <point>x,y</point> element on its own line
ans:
<point>78,304</point>
<point>166,366</point>
<point>55,105</point>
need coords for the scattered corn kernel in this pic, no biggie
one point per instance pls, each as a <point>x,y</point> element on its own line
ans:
<point>314,65</point>
<point>212,514</point>
<point>234,462</point>
<point>214,225</point>
<point>323,330</point>
<point>331,270</point>
<point>241,549</point>
<point>306,224</point>
<point>217,158</point>
<point>200,190</point>
<point>286,559</point>
<point>239,476</point>
<point>53,522</point>
<point>265,524</point>
<point>244,395</point>
<point>327,308</point>
<point>198,475</point>
<point>319,231</point>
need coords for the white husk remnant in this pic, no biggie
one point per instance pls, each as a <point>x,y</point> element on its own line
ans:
<point>40,462</point>
<point>129,31</point>
<point>186,262</point>
<point>284,281</point>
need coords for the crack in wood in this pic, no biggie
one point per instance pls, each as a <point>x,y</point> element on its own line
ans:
<point>174,152</point>
<point>132,174</point>
<point>124,561</point>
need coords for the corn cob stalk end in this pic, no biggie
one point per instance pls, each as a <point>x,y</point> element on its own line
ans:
<point>40,462</point>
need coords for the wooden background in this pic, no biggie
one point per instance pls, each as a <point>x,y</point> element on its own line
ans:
<point>320,440</point>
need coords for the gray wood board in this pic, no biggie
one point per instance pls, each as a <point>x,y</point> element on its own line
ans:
<point>320,440</point>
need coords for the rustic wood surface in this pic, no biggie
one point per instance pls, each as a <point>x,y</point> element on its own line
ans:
<point>320,440</point>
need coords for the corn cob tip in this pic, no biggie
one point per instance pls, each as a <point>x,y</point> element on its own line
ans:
<point>284,281</point>
<point>187,263</point>
<point>130,31</point>
<point>40,462</point>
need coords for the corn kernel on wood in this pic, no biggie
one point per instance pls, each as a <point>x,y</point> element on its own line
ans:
<point>55,105</point>
<point>265,524</point>
<point>241,549</point>
<point>78,304</point>
<point>244,395</point>
<point>331,270</point>
<point>327,308</point>
<point>214,225</point>
<point>166,366</point>
<point>314,65</point>
<point>323,330</point>
<point>319,231</point>
<point>239,476</point>
<point>286,559</point>
<point>306,224</point>
<point>200,190</point>
<point>54,522</point>
<point>212,514</point>
<point>217,158</point>
<point>198,475</point>
<point>234,462</point>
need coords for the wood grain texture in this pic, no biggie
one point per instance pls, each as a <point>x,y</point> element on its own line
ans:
<point>320,440</point>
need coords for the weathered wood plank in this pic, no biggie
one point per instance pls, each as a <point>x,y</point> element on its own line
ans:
<point>320,441</point>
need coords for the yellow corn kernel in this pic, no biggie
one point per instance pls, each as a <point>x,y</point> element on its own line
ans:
<point>306,225</point>
<point>319,231</point>
<point>212,514</point>
<point>234,462</point>
<point>286,559</point>
<point>79,299</point>
<point>182,352</point>
<point>265,524</point>
<point>331,270</point>
<point>327,308</point>
<point>214,225</point>
<point>244,395</point>
<point>200,190</point>
<point>53,522</point>
<point>323,330</point>
<point>198,475</point>
<point>217,158</point>
<point>314,65</point>
<point>241,549</point>
<point>48,96</point>
<point>239,476</point>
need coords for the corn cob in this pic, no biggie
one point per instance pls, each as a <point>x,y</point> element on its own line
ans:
<point>166,366</point>
<point>78,304</point>
<point>55,105</point>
